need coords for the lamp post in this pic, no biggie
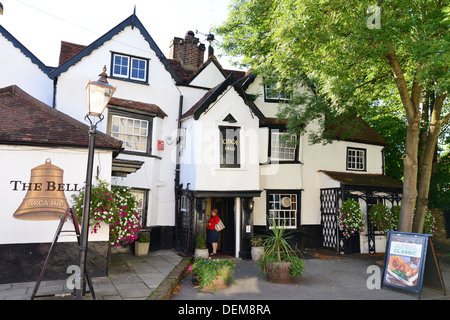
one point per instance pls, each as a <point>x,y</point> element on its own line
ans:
<point>98,93</point>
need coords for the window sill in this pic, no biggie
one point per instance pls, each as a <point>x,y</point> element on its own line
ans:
<point>129,80</point>
<point>280,162</point>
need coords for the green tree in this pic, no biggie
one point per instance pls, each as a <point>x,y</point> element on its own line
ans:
<point>353,55</point>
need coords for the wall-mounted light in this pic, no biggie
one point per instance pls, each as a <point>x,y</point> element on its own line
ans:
<point>248,205</point>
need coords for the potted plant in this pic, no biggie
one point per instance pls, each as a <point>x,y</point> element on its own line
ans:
<point>257,250</point>
<point>280,261</point>
<point>142,244</point>
<point>211,274</point>
<point>200,247</point>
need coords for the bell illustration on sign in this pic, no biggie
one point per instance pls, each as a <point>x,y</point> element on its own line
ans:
<point>45,199</point>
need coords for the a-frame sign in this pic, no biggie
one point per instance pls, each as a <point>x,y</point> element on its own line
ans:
<point>410,263</point>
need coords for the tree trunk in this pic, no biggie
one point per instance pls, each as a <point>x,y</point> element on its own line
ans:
<point>410,157</point>
<point>426,166</point>
<point>410,179</point>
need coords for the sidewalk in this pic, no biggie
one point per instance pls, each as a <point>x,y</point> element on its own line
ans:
<point>327,276</point>
<point>130,278</point>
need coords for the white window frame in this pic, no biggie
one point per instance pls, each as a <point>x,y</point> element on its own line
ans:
<point>131,135</point>
<point>280,148</point>
<point>184,203</point>
<point>283,208</point>
<point>271,94</point>
<point>144,69</point>
<point>356,159</point>
<point>129,66</point>
<point>120,75</point>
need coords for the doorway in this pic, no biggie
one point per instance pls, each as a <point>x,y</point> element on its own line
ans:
<point>225,206</point>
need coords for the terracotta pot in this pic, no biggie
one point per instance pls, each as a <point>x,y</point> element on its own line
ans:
<point>220,283</point>
<point>279,272</point>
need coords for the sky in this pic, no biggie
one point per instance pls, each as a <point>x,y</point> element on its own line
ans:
<point>40,25</point>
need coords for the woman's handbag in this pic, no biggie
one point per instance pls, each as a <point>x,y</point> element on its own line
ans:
<point>220,226</point>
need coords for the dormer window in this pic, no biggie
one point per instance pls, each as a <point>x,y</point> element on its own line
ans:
<point>130,68</point>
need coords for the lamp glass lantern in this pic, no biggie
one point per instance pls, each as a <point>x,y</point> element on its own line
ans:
<point>98,94</point>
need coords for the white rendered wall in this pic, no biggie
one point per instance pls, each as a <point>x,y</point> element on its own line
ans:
<point>17,69</point>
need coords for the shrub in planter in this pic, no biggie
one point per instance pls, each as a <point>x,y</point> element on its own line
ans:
<point>211,274</point>
<point>280,261</point>
<point>257,251</point>
<point>142,244</point>
<point>200,247</point>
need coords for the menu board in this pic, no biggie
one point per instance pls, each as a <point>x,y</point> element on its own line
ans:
<point>405,262</point>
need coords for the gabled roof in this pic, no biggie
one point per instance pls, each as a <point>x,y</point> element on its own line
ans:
<point>213,94</point>
<point>132,21</point>
<point>16,43</point>
<point>28,121</point>
<point>363,179</point>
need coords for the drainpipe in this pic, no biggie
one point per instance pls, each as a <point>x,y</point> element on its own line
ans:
<point>238,214</point>
<point>177,165</point>
<point>55,83</point>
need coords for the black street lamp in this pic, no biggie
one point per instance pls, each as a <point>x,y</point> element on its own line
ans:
<point>98,93</point>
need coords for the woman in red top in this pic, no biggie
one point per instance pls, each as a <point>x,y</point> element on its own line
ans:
<point>212,235</point>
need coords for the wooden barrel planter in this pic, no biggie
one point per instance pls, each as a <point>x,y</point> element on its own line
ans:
<point>279,272</point>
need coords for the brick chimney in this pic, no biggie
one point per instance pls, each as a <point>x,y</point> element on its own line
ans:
<point>188,51</point>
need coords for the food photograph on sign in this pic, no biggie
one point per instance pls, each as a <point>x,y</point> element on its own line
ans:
<point>403,264</point>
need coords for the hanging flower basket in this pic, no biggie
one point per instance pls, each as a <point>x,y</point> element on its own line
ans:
<point>351,220</point>
<point>117,208</point>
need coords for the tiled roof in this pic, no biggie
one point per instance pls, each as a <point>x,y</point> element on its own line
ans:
<point>28,121</point>
<point>68,50</point>
<point>363,179</point>
<point>354,128</point>
<point>130,104</point>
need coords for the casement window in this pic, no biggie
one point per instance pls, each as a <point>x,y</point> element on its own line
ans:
<point>356,159</point>
<point>273,95</point>
<point>283,208</point>
<point>133,130</point>
<point>129,68</point>
<point>283,146</point>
